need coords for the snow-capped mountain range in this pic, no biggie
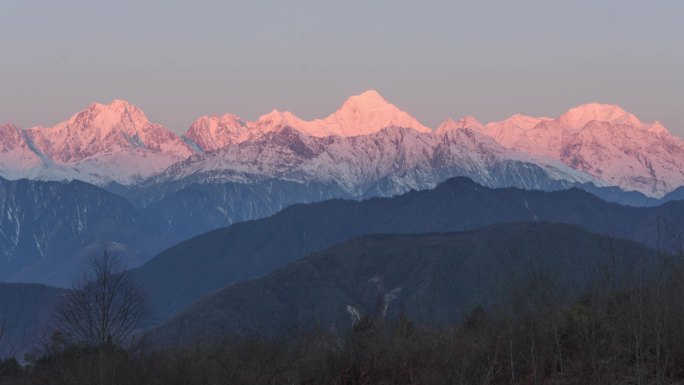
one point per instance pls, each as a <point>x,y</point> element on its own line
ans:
<point>359,115</point>
<point>101,144</point>
<point>155,188</point>
<point>386,162</point>
<point>365,144</point>
<point>604,141</point>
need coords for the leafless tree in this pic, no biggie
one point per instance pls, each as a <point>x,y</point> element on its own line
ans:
<point>104,306</point>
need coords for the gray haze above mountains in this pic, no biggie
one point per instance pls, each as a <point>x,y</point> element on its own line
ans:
<point>436,59</point>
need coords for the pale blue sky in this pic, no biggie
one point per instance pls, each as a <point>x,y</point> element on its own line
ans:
<point>179,60</point>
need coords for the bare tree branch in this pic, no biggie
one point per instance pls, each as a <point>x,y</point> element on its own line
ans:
<point>104,306</point>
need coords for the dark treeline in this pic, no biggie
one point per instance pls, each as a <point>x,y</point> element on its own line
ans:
<point>614,333</point>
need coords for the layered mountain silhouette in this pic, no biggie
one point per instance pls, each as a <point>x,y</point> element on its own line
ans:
<point>50,230</point>
<point>434,280</point>
<point>147,188</point>
<point>183,273</point>
<point>26,311</point>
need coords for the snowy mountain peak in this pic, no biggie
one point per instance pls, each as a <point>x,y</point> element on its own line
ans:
<point>470,122</point>
<point>603,140</point>
<point>117,115</point>
<point>10,137</point>
<point>579,116</point>
<point>8,126</point>
<point>446,125</point>
<point>508,130</point>
<point>465,122</point>
<point>368,99</point>
<point>229,120</point>
<point>106,142</point>
<point>278,119</point>
<point>213,132</point>
<point>118,104</point>
<point>363,114</point>
<point>17,159</point>
<point>657,128</point>
<point>521,121</point>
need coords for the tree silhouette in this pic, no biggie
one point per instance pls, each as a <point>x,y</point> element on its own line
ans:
<point>104,307</point>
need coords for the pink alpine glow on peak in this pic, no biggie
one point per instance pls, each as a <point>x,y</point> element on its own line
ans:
<point>105,129</point>
<point>465,122</point>
<point>17,160</point>
<point>213,132</point>
<point>602,140</point>
<point>11,137</point>
<point>101,144</point>
<point>359,115</point>
<point>117,142</point>
<point>278,119</point>
<point>657,128</point>
<point>579,116</point>
<point>515,122</point>
<point>362,114</point>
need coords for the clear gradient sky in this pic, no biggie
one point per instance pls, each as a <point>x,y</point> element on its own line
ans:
<point>179,60</point>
